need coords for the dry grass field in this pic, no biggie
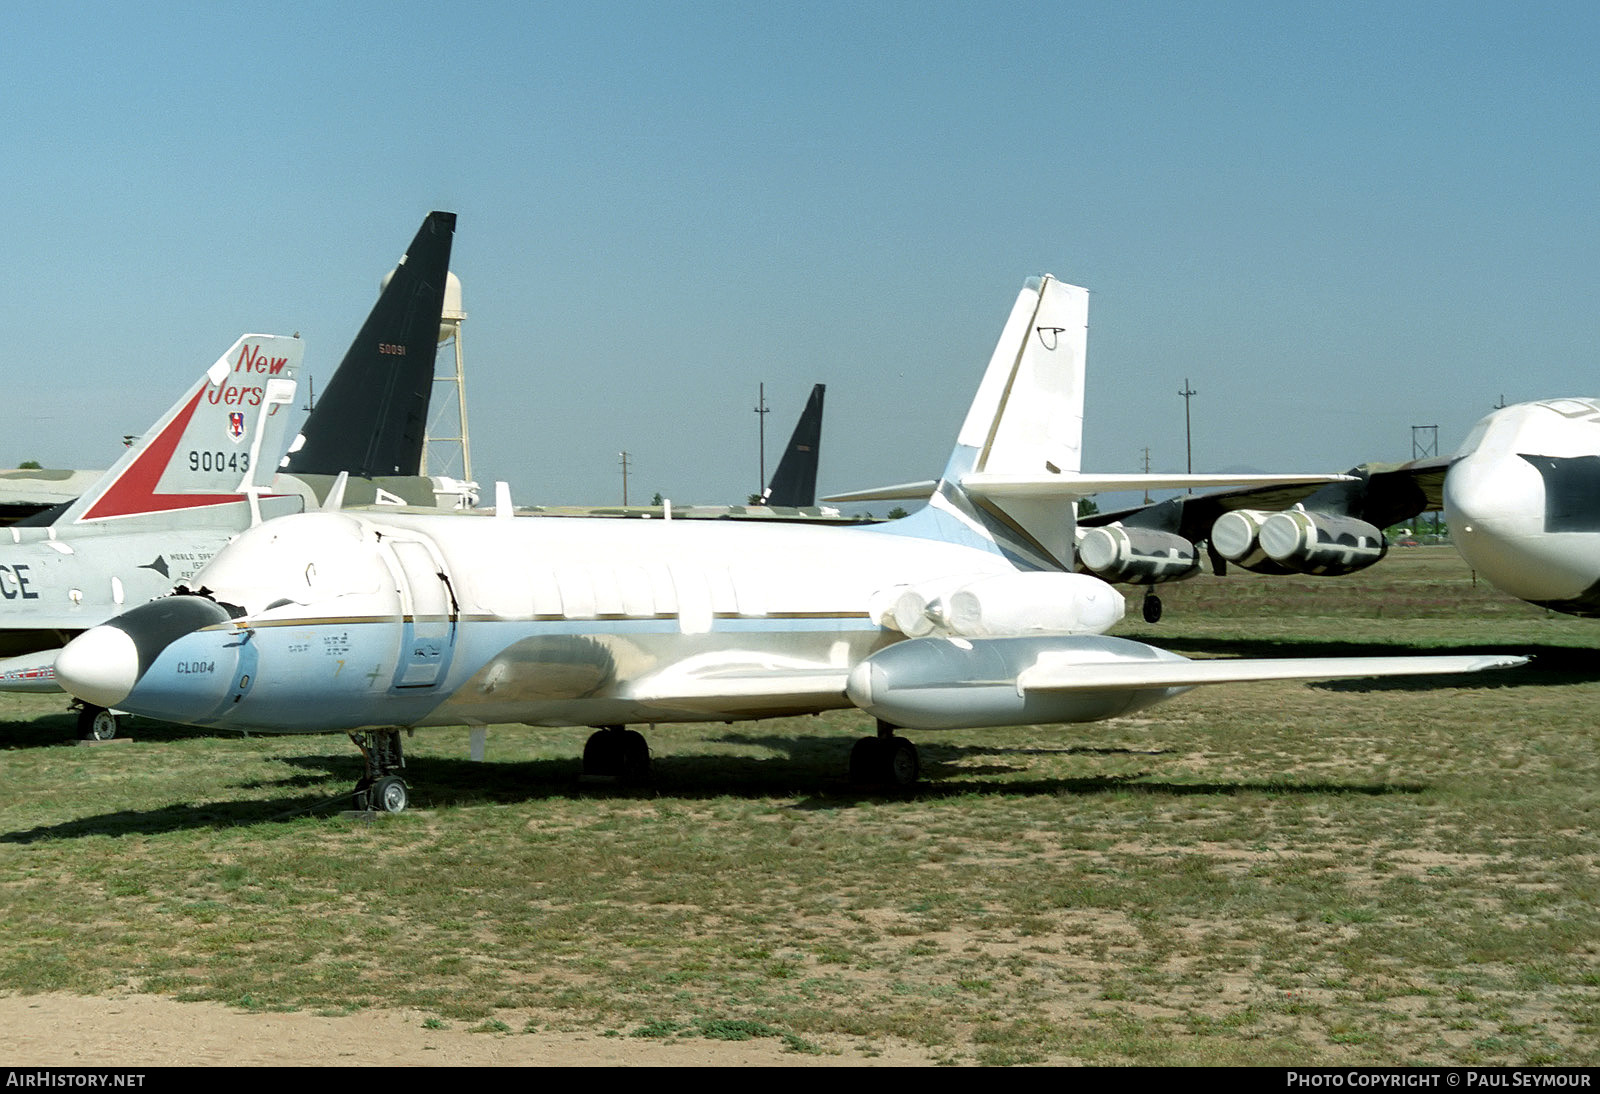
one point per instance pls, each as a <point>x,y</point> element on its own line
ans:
<point>1264,874</point>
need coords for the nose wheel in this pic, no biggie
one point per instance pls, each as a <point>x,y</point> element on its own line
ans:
<point>96,724</point>
<point>380,789</point>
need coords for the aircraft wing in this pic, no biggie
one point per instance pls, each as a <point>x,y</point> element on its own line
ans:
<point>953,683</point>
<point>1062,673</point>
<point>712,682</point>
<point>1380,494</point>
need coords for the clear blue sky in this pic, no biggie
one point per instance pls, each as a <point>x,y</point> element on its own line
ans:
<point>1337,221</point>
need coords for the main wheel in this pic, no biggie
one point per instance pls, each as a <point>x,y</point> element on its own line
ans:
<point>602,754</point>
<point>389,795</point>
<point>901,767</point>
<point>634,758</point>
<point>866,762</point>
<point>1152,608</point>
<point>96,724</point>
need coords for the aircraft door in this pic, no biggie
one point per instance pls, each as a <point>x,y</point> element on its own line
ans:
<point>428,631</point>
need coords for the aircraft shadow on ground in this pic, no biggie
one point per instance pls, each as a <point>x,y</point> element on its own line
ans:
<point>54,730</point>
<point>443,783</point>
<point>1550,665</point>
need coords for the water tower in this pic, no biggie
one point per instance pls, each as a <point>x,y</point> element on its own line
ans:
<point>447,450</point>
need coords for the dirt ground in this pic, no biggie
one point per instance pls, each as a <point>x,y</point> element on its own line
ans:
<point>153,1031</point>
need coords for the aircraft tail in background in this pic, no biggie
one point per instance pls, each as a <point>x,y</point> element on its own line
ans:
<point>372,419</point>
<point>216,446</point>
<point>794,483</point>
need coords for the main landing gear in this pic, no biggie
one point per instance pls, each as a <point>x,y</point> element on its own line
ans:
<point>96,723</point>
<point>1152,608</point>
<point>615,752</point>
<point>884,760</point>
<point>380,789</point>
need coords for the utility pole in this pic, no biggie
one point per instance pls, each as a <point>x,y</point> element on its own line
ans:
<point>624,456</point>
<point>761,416</point>
<point>1188,443</point>
<point>1425,445</point>
<point>1147,470</point>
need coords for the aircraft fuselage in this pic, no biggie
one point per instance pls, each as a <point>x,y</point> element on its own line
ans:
<point>421,620</point>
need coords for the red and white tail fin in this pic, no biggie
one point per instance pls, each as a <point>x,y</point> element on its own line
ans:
<point>218,445</point>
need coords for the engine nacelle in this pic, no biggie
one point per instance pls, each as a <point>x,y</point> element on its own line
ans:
<point>1324,544</point>
<point>1236,537</point>
<point>959,683</point>
<point>1009,604</point>
<point>1137,556</point>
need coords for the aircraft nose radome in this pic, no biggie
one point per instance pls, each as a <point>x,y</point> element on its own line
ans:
<point>100,666</point>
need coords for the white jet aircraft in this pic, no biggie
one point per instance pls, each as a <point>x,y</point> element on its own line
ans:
<point>964,614</point>
<point>1523,502</point>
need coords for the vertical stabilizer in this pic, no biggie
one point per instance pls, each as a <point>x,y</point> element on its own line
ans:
<point>372,419</point>
<point>795,481</point>
<point>1027,418</point>
<point>1023,436</point>
<point>214,446</point>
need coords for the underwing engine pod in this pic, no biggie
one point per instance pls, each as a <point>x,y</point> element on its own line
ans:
<point>1236,537</point>
<point>1009,604</point>
<point>1137,556</point>
<point>959,683</point>
<point>1297,542</point>
<point>1324,544</point>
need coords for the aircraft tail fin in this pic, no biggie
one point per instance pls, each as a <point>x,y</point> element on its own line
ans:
<point>1014,478</point>
<point>1022,437</point>
<point>215,446</point>
<point>372,419</point>
<point>795,481</point>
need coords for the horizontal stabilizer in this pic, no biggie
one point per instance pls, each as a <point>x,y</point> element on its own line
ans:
<point>906,491</point>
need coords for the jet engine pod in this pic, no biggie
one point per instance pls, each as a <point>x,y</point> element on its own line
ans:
<point>1137,556</point>
<point>1324,544</point>
<point>1008,604</point>
<point>1033,603</point>
<point>1236,537</point>
<point>959,683</point>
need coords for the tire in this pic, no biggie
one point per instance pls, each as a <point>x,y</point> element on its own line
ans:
<point>866,762</point>
<point>634,758</point>
<point>389,795</point>
<point>901,767</point>
<point>96,724</point>
<point>602,755</point>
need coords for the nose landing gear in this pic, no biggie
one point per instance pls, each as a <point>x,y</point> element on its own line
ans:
<point>380,789</point>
